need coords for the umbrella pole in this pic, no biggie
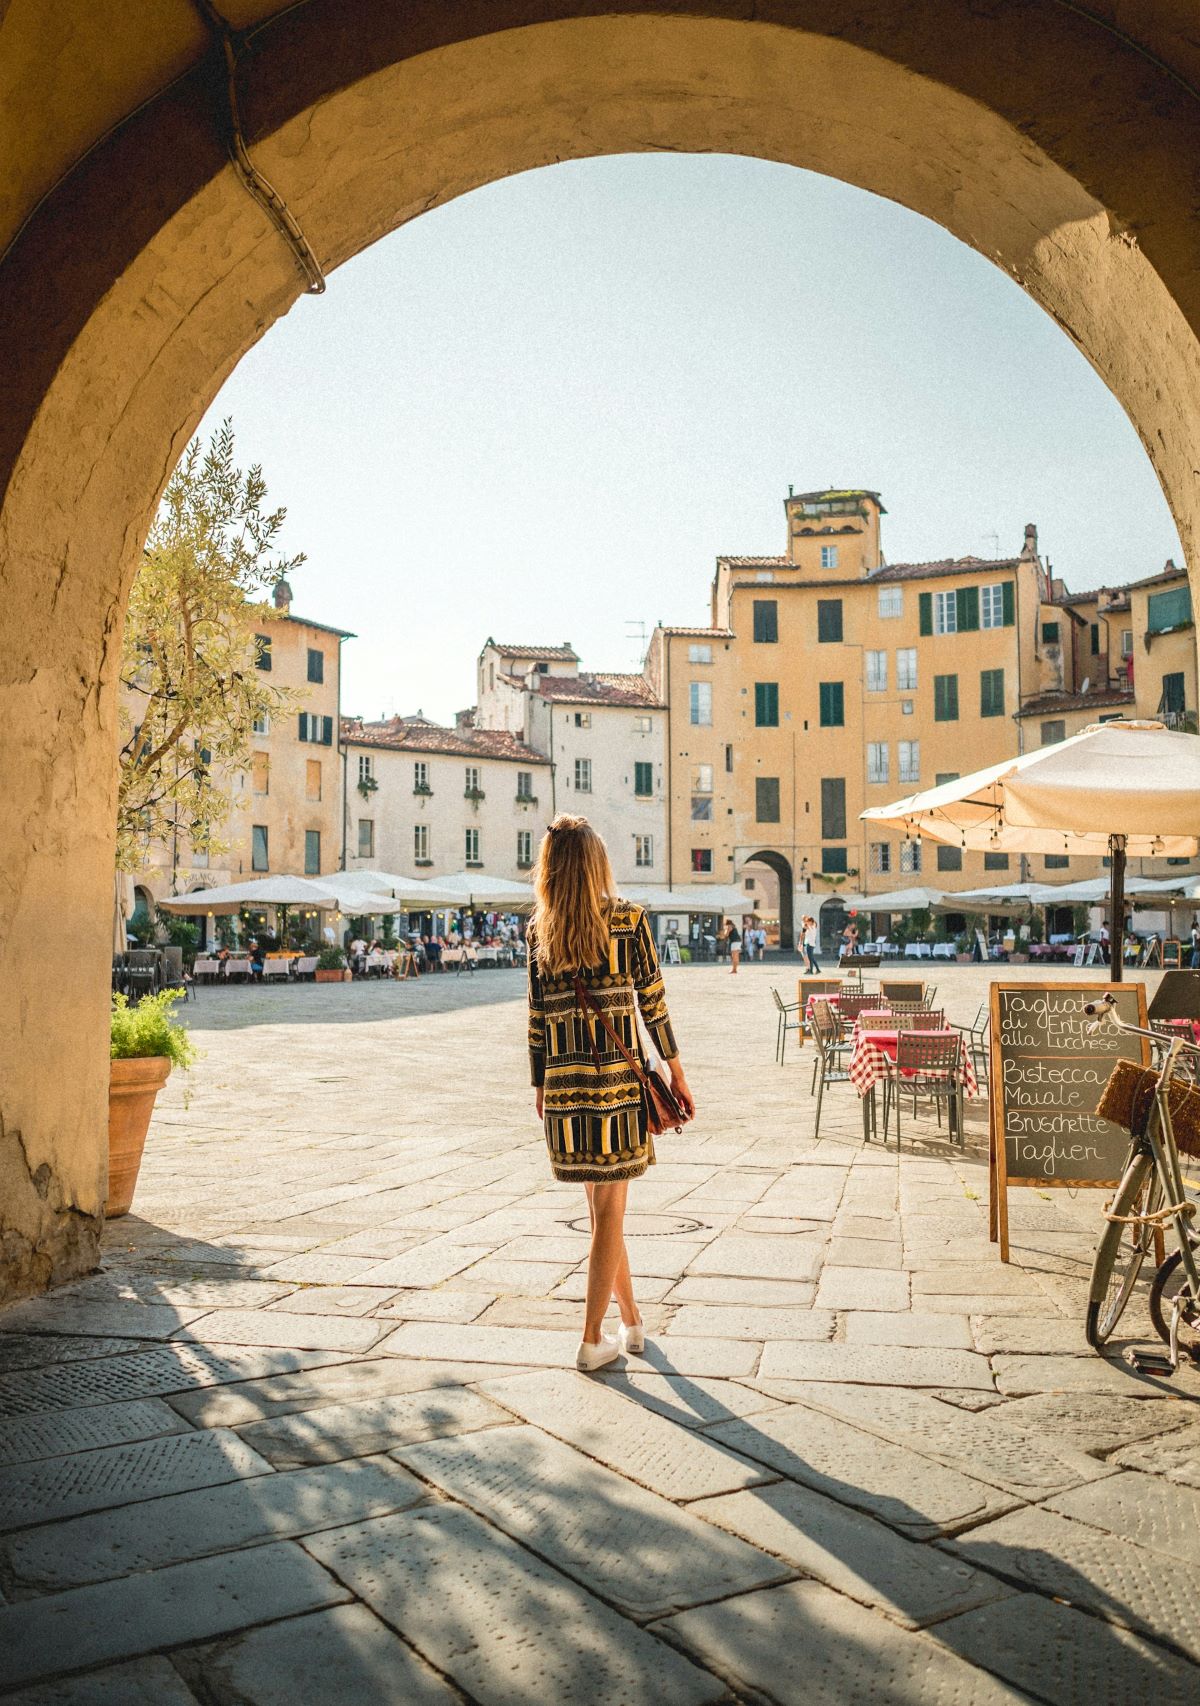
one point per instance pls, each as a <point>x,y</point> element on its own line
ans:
<point>1116,935</point>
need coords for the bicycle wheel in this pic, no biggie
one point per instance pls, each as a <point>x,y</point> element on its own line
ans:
<point>1170,1282</point>
<point>1122,1249</point>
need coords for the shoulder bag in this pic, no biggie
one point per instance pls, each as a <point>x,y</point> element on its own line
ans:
<point>664,1110</point>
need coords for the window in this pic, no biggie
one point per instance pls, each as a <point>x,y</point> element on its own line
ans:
<point>702,778</point>
<point>995,861</point>
<point>891,603</point>
<point>879,858</point>
<point>766,799</point>
<point>1094,638</point>
<point>316,664</point>
<point>1054,731</point>
<point>366,837</point>
<point>262,724</point>
<point>421,843</point>
<point>991,693</point>
<point>583,719</point>
<point>260,859</point>
<point>643,725</point>
<point>1127,642</point>
<point>699,654</point>
<point>524,784</point>
<point>700,703</point>
<point>906,669</point>
<point>366,767</point>
<point>262,652</point>
<point>729,758</point>
<point>877,672</point>
<point>766,621</point>
<point>833,808</point>
<point>910,856</point>
<point>471,846</point>
<point>945,698</point>
<point>833,709</point>
<point>1168,610</point>
<point>583,775</point>
<point>909,761</point>
<point>833,859</point>
<point>766,704</point>
<point>906,707</point>
<point>829,556</point>
<point>420,777</point>
<point>1172,693</point>
<point>877,761</point>
<point>949,858</point>
<point>829,620</point>
<point>471,780</point>
<point>260,771</point>
<point>643,851</point>
<point>945,613</point>
<point>312,779</point>
<point>702,808</point>
<point>1056,861</point>
<point>1049,633</point>
<point>997,605</point>
<point>524,848</point>
<point>318,731</point>
<point>312,851</point>
<point>702,860</point>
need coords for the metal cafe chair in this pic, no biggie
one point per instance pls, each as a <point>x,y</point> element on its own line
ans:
<point>975,1040</point>
<point>897,991</point>
<point>830,1065</point>
<point>925,1020</point>
<point>929,1066</point>
<point>850,1006</point>
<point>785,1023</point>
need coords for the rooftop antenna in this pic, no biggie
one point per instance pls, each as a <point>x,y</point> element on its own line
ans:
<point>635,633</point>
<point>995,539</point>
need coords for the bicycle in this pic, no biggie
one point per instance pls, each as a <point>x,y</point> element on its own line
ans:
<point>1150,1196</point>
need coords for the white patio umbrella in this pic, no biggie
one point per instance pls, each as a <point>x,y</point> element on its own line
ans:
<point>916,899</point>
<point>257,892</point>
<point>477,889</point>
<point>1117,788</point>
<point>725,898</point>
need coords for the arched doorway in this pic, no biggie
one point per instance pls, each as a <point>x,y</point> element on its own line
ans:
<point>1049,141</point>
<point>782,871</point>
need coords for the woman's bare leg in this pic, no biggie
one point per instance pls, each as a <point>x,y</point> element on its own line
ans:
<point>608,1247</point>
<point>623,1282</point>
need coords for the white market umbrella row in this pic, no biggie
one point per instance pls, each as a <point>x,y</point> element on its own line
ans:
<point>295,892</point>
<point>1117,788</point>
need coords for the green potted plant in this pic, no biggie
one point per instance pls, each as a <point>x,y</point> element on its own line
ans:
<point>331,966</point>
<point>146,1041</point>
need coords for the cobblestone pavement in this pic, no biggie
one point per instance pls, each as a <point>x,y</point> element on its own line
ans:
<point>313,1433</point>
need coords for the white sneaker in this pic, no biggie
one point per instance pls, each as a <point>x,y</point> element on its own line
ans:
<point>632,1340</point>
<point>588,1358</point>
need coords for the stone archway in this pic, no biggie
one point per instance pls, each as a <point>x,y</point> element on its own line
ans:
<point>140,271</point>
<point>782,870</point>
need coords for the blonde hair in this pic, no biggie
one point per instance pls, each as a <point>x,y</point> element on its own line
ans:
<point>573,892</point>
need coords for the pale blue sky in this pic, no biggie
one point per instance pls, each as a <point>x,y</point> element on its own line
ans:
<point>541,411</point>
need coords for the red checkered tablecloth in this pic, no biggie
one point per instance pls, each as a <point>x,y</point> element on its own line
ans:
<point>871,1053</point>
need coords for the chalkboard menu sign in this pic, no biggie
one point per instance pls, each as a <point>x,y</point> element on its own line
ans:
<point>1047,1076</point>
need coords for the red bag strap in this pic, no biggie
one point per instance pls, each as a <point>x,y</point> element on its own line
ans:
<point>585,999</point>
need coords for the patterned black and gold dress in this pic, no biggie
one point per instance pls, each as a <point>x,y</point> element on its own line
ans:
<point>594,1119</point>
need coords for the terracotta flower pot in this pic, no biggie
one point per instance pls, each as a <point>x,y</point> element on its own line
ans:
<point>132,1087</point>
<point>326,976</point>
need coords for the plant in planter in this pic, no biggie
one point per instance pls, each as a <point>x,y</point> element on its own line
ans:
<point>146,1041</point>
<point>331,966</point>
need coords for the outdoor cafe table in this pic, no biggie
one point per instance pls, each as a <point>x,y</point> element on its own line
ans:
<point>871,1052</point>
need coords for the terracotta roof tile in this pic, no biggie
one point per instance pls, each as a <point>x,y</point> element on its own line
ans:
<point>399,734</point>
<point>698,633</point>
<point>943,566</point>
<point>758,562</point>
<point>565,653</point>
<point>1045,704</point>
<point>598,690</point>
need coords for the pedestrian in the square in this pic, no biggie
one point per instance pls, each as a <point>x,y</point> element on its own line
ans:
<point>812,941</point>
<point>592,969</point>
<point>733,945</point>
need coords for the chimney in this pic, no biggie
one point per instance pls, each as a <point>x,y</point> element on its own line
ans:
<point>1030,548</point>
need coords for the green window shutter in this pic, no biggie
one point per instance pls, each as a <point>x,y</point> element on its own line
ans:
<point>945,698</point>
<point>833,707</point>
<point>1168,609</point>
<point>991,693</point>
<point>967,600</point>
<point>766,799</point>
<point>766,704</point>
<point>1095,638</point>
<point>1008,598</point>
<point>925,603</point>
<point>833,808</point>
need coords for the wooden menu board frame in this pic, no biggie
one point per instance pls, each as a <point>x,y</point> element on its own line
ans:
<point>999,1178</point>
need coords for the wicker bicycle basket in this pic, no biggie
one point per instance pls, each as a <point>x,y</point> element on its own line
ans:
<point>1128,1097</point>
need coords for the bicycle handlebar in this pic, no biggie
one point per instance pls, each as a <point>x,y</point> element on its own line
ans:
<point>1104,1012</point>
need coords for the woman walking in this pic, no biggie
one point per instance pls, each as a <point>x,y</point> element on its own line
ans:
<point>733,941</point>
<point>811,943</point>
<point>588,947</point>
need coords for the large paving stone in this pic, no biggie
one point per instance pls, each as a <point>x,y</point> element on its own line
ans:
<point>143,1682</point>
<point>475,1343</point>
<point>982,1303</point>
<point>691,1400</point>
<point>335,1300</point>
<point>601,1420</point>
<point>760,1256</point>
<point>60,1487</point>
<point>504,1627</point>
<point>1068,1657</point>
<point>804,1643</point>
<point>461,1306</point>
<point>875,1365</point>
<point>745,1321</point>
<point>722,1289</point>
<point>183,1526</point>
<point>496,1277</point>
<point>862,1288</point>
<point>1158,1514</point>
<point>908,1327</point>
<point>649,1289</point>
<point>862,1253</point>
<point>318,1267</point>
<point>41,1350</point>
<point>337,1383</point>
<point>428,1264</point>
<point>635,1549</point>
<point>1175,1455</point>
<point>81,1430</point>
<point>1068,1561</point>
<point>142,1374</point>
<point>96,1318</point>
<point>162,1608</point>
<point>336,1431</point>
<point>661,1258</point>
<point>1000,1335</point>
<point>1018,1375</point>
<point>907,1580</point>
<point>993,1277</point>
<point>1095,1422</point>
<point>909,1491</point>
<point>178,1290</point>
<point>341,1657</point>
<point>276,1327</point>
